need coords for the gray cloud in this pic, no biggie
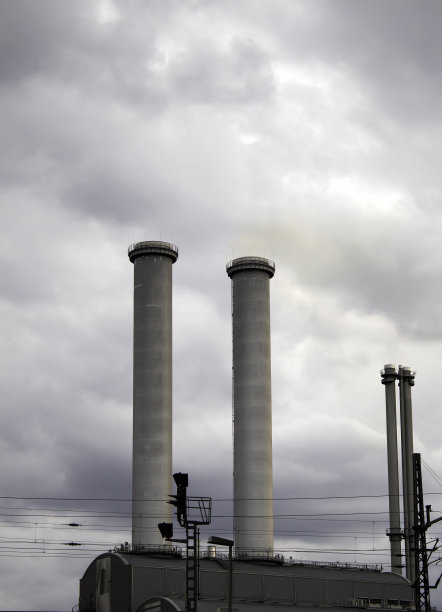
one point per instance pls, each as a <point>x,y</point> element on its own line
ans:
<point>34,37</point>
<point>240,75</point>
<point>304,132</point>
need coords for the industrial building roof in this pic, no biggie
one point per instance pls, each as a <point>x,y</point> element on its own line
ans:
<point>362,573</point>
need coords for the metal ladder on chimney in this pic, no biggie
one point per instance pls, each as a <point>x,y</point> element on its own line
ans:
<point>192,566</point>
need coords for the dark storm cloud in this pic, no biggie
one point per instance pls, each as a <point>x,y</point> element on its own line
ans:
<point>114,196</point>
<point>34,36</point>
<point>241,74</point>
<point>391,51</point>
<point>56,42</point>
<point>101,475</point>
<point>60,43</point>
<point>323,454</point>
<point>47,424</point>
<point>399,58</point>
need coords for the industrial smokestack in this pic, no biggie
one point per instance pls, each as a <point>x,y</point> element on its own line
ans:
<point>389,380</point>
<point>252,405</point>
<point>406,381</point>
<point>152,389</point>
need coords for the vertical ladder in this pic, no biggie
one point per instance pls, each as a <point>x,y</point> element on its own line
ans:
<point>191,567</point>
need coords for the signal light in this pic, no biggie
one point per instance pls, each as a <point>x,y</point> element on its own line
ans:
<point>180,503</point>
<point>180,499</point>
<point>181,480</point>
<point>166,530</point>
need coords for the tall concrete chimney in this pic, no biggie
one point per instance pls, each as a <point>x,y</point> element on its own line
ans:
<point>395,534</point>
<point>252,405</point>
<point>152,389</point>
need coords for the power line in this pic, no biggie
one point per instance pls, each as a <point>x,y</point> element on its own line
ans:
<point>436,476</point>
<point>225,499</point>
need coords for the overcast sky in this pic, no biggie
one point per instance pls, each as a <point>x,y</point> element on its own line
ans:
<point>306,131</point>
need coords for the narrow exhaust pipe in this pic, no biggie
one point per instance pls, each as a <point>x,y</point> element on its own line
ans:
<point>406,381</point>
<point>389,376</point>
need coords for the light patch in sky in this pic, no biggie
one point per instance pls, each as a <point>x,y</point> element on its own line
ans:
<point>287,72</point>
<point>249,138</point>
<point>107,13</point>
<point>366,196</point>
<point>160,62</point>
<point>334,85</point>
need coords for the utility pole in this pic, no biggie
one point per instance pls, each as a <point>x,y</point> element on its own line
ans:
<point>421,554</point>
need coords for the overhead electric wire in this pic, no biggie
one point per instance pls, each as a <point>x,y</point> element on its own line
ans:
<point>13,546</point>
<point>70,510</point>
<point>221,499</point>
<point>432,473</point>
<point>117,528</point>
<point>125,515</point>
<point>298,535</point>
